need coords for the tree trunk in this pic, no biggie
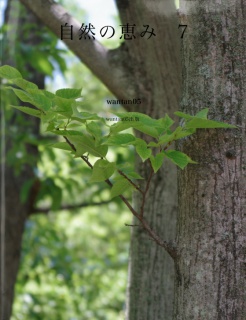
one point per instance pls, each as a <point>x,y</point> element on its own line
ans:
<point>16,211</point>
<point>151,272</point>
<point>211,279</point>
<point>156,69</point>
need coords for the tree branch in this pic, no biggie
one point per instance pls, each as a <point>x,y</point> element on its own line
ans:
<point>130,181</point>
<point>105,64</point>
<point>70,207</point>
<point>146,190</point>
<point>107,180</point>
<point>169,247</point>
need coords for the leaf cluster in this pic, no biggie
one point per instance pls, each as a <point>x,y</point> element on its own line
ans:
<point>88,135</point>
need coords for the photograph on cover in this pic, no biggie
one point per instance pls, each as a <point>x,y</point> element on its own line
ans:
<point>122,160</point>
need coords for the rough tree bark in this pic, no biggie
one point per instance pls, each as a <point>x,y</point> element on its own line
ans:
<point>155,67</point>
<point>149,70</point>
<point>17,212</point>
<point>212,214</point>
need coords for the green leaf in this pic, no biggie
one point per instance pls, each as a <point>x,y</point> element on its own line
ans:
<point>165,123</point>
<point>9,73</point>
<point>120,139</point>
<point>157,161</point>
<point>63,106</point>
<point>121,126</point>
<point>83,116</point>
<point>138,121</point>
<point>179,133</point>
<point>69,93</point>
<point>102,170</point>
<point>143,151</point>
<point>22,95</point>
<point>146,124</point>
<point>61,145</point>
<point>89,116</point>
<point>50,126</point>
<point>30,111</point>
<point>183,115</point>
<point>48,117</point>
<point>48,94</point>
<point>94,129</point>
<point>202,114</point>
<point>153,144</point>
<point>85,143</point>
<point>136,117</point>
<point>170,137</point>
<point>39,100</point>
<point>34,97</point>
<point>128,170</point>
<point>119,187</point>
<point>199,123</point>
<point>24,84</point>
<point>68,133</point>
<point>133,175</point>
<point>151,131</point>
<point>73,125</point>
<point>184,133</point>
<point>179,158</point>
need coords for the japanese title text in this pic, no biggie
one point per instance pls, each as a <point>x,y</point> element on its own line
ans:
<point>89,32</point>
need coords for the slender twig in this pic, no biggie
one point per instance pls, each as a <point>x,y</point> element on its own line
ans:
<point>168,145</point>
<point>131,182</point>
<point>134,212</point>
<point>69,207</point>
<point>145,191</point>
<point>107,180</point>
<point>169,247</point>
<point>82,157</point>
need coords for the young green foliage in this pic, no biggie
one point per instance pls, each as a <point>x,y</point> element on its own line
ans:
<point>87,135</point>
<point>102,170</point>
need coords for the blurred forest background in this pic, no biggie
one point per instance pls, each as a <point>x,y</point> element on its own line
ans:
<point>75,245</point>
